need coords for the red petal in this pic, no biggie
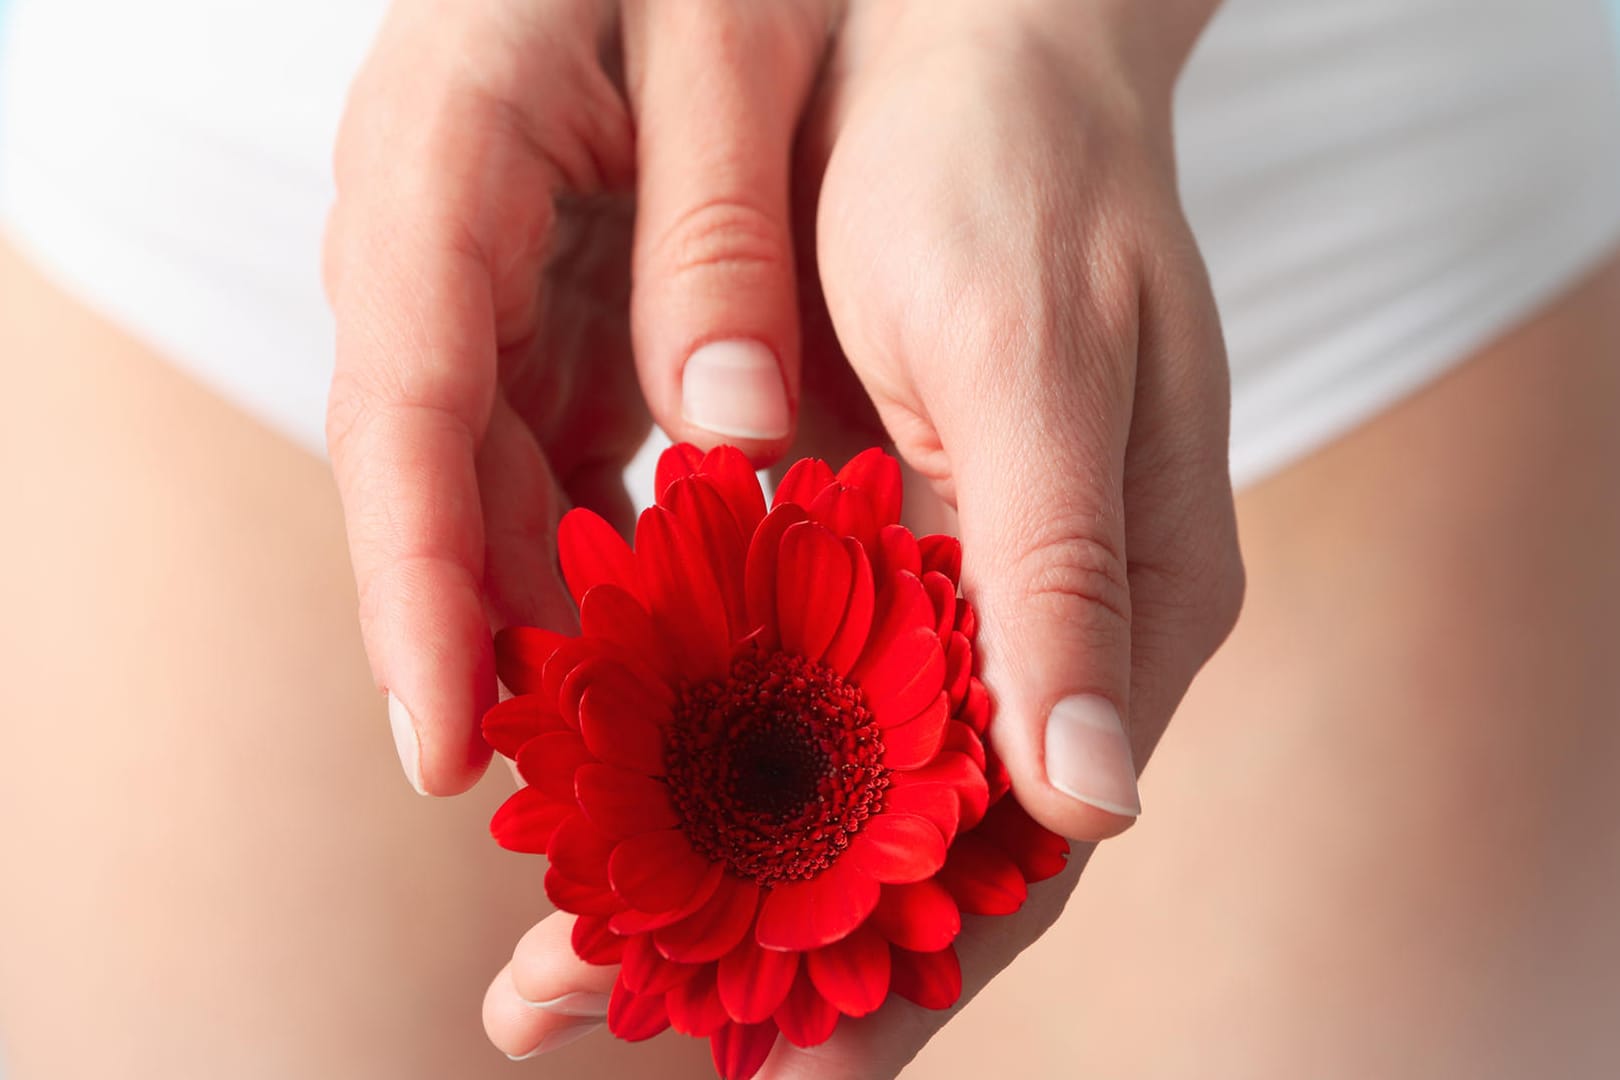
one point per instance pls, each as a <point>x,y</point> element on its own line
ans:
<point>932,980</point>
<point>726,468</point>
<point>961,739</point>
<point>730,472</point>
<point>580,851</point>
<point>877,476</point>
<point>1039,852</point>
<point>526,821</point>
<point>942,594</point>
<point>976,707</point>
<point>850,640</point>
<point>967,620</point>
<point>694,1006</point>
<point>628,679</point>
<point>958,667</point>
<point>937,803</point>
<point>659,871</point>
<point>715,928</point>
<point>903,680</point>
<point>680,460</point>
<point>594,942</point>
<point>996,775</point>
<point>568,657</point>
<point>982,880</point>
<point>897,552</point>
<point>699,507</point>
<point>570,895</point>
<point>511,723</point>
<point>846,513</point>
<point>754,981</point>
<point>684,598</point>
<point>903,608</point>
<point>623,731</point>
<point>895,849</point>
<point>764,552</point>
<point>813,577</point>
<point>646,971</point>
<point>521,653</point>
<point>548,764</point>
<point>593,553</point>
<point>623,803</point>
<point>804,480</point>
<point>818,912</point>
<point>643,922</point>
<point>740,1049</point>
<point>959,773</point>
<point>920,916</point>
<point>611,615</point>
<point>919,740</point>
<point>590,670</point>
<point>942,554</point>
<point>853,973</point>
<point>805,1017</point>
<point>632,1016</point>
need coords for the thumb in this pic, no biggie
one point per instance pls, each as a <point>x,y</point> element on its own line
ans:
<point>718,88</point>
<point>1039,492</point>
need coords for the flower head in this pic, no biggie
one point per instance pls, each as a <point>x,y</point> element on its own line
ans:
<point>760,771</point>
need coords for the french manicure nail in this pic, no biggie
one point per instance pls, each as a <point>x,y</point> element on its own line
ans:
<point>735,388</point>
<point>1088,755</point>
<point>559,1038</point>
<point>406,741</point>
<point>578,1003</point>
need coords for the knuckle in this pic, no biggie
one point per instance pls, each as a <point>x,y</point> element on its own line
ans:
<point>345,405</point>
<point>359,398</point>
<point>1069,566</point>
<point>725,234</point>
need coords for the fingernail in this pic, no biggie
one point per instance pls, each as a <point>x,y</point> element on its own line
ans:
<point>559,1038</point>
<point>735,388</point>
<point>1088,755</point>
<point>406,742</point>
<point>578,1003</point>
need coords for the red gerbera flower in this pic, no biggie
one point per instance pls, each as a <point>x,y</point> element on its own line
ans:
<point>760,770</point>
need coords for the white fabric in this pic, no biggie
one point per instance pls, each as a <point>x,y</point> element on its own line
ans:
<point>1379,187</point>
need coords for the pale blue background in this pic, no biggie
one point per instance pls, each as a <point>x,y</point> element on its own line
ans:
<point>1614,6</point>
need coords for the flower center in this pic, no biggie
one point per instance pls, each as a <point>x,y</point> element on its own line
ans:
<point>774,769</point>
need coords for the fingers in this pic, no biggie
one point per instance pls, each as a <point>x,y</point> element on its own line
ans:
<point>432,261</point>
<point>717,87</point>
<point>404,421</point>
<point>1097,525</point>
<point>546,997</point>
<point>1037,445</point>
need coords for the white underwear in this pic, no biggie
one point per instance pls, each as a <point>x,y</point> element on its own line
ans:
<point>1379,187</point>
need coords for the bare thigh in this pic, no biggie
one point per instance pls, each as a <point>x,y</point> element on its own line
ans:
<point>1382,837</point>
<point>210,865</point>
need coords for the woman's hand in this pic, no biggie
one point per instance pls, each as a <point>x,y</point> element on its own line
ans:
<point>479,262</point>
<point>992,265</point>
<point>1007,269</point>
